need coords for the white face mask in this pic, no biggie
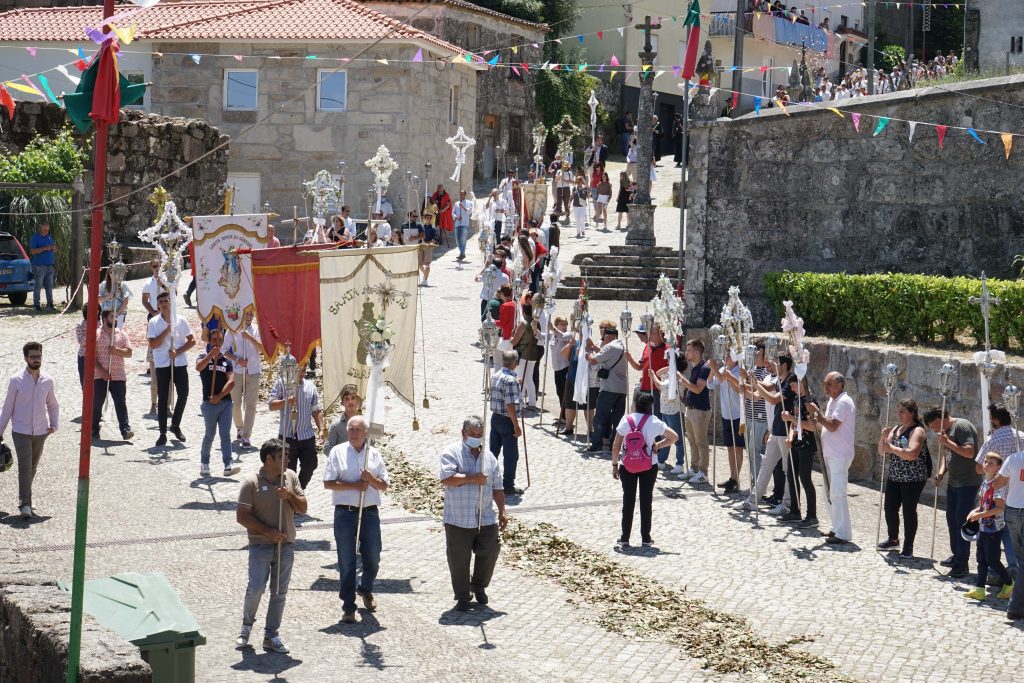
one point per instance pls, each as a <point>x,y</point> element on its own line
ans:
<point>474,441</point>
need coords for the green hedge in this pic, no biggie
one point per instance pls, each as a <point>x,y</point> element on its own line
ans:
<point>903,308</point>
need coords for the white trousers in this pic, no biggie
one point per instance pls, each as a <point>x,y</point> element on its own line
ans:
<point>579,219</point>
<point>529,388</point>
<point>244,396</point>
<point>839,509</point>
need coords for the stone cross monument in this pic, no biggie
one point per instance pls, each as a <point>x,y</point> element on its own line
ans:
<point>641,212</point>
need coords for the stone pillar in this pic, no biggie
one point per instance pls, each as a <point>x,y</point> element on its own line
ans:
<point>641,212</point>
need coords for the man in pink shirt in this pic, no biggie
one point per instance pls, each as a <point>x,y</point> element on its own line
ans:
<point>31,408</point>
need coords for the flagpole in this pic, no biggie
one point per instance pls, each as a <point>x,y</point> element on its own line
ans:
<point>85,440</point>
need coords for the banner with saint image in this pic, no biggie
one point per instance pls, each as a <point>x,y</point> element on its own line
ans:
<point>358,287</point>
<point>223,280</point>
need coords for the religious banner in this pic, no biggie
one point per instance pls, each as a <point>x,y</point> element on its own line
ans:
<point>286,289</point>
<point>223,281</point>
<point>536,200</point>
<point>357,288</point>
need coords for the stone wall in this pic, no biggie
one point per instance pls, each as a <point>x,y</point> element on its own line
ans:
<point>35,625</point>
<point>807,192</point>
<point>402,105</point>
<point>142,148</point>
<point>505,103</point>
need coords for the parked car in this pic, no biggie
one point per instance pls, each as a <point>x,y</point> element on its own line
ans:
<point>15,270</point>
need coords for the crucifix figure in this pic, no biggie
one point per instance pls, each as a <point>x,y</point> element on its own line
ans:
<point>641,223</point>
<point>985,301</point>
<point>460,142</point>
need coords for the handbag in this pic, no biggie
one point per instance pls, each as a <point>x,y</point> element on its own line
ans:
<point>6,458</point>
<point>603,373</point>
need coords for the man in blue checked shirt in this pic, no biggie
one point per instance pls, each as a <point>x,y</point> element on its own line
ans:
<point>301,438</point>
<point>472,481</point>
<point>506,397</point>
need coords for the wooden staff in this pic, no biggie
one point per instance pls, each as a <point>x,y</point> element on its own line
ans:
<point>889,379</point>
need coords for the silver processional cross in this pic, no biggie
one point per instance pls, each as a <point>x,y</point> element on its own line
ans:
<point>985,301</point>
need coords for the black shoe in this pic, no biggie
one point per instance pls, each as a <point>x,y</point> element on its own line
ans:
<point>731,486</point>
<point>1014,616</point>
<point>594,449</point>
<point>885,545</point>
<point>648,543</point>
<point>831,534</point>
<point>514,491</point>
<point>835,540</point>
<point>948,562</point>
<point>39,308</point>
<point>570,433</point>
<point>481,596</point>
<point>907,554</point>
<point>771,500</point>
<point>792,517</point>
<point>95,433</point>
<point>188,302</point>
<point>462,606</point>
<point>622,544</point>
<point>808,522</point>
<point>162,441</point>
<point>958,573</point>
<point>177,433</point>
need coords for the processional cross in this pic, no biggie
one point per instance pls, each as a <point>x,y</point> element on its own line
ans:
<point>460,142</point>
<point>382,166</point>
<point>565,131</point>
<point>985,301</point>
<point>322,190</point>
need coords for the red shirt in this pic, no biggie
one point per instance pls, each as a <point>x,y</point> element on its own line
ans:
<point>541,250</point>
<point>507,319</point>
<point>657,363</point>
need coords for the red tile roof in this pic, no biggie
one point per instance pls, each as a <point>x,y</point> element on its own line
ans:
<point>240,20</point>
<point>470,7</point>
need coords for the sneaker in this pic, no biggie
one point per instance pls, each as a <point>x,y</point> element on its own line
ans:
<point>749,505</point>
<point>907,555</point>
<point>680,472</point>
<point>204,470</point>
<point>232,471</point>
<point>1005,592</point>
<point>275,645</point>
<point>127,435</point>
<point>958,573</point>
<point>698,478</point>
<point>369,602</point>
<point>622,544</point>
<point>770,501</point>
<point>808,522</point>
<point>177,433</point>
<point>976,593</point>
<point>162,441</point>
<point>730,486</point>
<point>885,545</point>
<point>242,641</point>
<point>948,562</point>
<point>648,543</point>
<point>26,511</point>
<point>662,466</point>
<point>835,540</point>
<point>779,509</point>
<point>350,617</point>
<point>792,517</point>
<point>246,443</point>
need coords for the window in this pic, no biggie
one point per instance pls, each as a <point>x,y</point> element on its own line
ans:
<point>515,134</point>
<point>472,36</point>
<point>136,79</point>
<point>843,20</point>
<point>1016,44</point>
<point>241,89</point>
<point>453,105</point>
<point>767,82</point>
<point>331,90</point>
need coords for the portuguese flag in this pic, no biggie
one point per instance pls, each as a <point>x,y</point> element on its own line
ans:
<point>692,40</point>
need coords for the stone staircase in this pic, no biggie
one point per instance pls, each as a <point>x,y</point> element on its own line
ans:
<point>624,274</point>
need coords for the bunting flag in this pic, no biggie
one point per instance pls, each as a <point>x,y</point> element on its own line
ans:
<point>600,69</point>
<point>515,50</point>
<point>782,106</point>
<point>1006,138</point>
<point>7,102</point>
<point>97,36</point>
<point>611,77</point>
<point>31,51</point>
<point>837,112</point>
<point>735,99</point>
<point>515,70</point>
<point>23,88</point>
<point>81,65</point>
<point>580,38</point>
<point>692,40</point>
<point>882,123</point>
<point>856,121</point>
<point>493,60</point>
<point>382,61</point>
<point>620,29</point>
<point>64,71</point>
<point>974,134</point>
<point>418,57</point>
<point>757,105</point>
<point>101,92</point>
<point>582,67</point>
<point>600,35</point>
<point>764,69</point>
<point>614,61</point>
<point>941,132</point>
<point>126,36</point>
<point>238,58</point>
<point>195,58</point>
<point>46,88</point>
<point>675,71</point>
<point>645,67</point>
<point>913,126</point>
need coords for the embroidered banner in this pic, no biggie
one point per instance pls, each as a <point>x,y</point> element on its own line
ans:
<point>223,281</point>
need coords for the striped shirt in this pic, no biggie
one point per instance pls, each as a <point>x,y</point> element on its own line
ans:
<point>1003,441</point>
<point>461,502</point>
<point>759,413</point>
<point>308,403</point>
<point>505,391</point>
<point>107,361</point>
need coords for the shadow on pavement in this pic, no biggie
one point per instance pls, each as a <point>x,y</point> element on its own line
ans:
<point>385,586</point>
<point>266,663</point>
<point>478,614</point>
<point>219,505</point>
<point>16,522</point>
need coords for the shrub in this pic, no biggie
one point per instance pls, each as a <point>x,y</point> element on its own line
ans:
<point>899,307</point>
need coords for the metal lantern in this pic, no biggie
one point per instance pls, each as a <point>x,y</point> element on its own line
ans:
<point>750,357</point>
<point>647,320</point>
<point>266,208</point>
<point>889,376</point>
<point>947,375</point>
<point>489,335</point>
<point>771,347</point>
<point>288,372</point>
<point>1011,399</point>
<point>626,320</point>
<point>378,351</point>
<point>489,278</point>
<point>114,250</point>
<point>719,348</point>
<point>989,368</point>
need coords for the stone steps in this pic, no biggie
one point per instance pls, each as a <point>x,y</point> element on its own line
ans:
<point>605,294</point>
<point>626,273</point>
<point>654,263</point>
<point>613,270</point>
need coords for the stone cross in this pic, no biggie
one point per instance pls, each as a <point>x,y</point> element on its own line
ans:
<point>985,301</point>
<point>641,219</point>
<point>647,27</point>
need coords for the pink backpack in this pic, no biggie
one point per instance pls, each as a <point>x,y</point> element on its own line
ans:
<point>637,458</point>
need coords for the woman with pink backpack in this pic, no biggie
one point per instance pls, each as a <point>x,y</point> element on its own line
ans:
<point>638,438</point>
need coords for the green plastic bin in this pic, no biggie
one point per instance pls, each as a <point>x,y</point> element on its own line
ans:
<point>145,610</point>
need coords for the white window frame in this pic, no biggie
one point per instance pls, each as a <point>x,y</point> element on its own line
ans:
<point>227,75</point>
<point>454,92</point>
<point>142,76</point>
<point>320,73</point>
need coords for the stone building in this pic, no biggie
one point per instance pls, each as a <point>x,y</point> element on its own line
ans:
<point>505,103</point>
<point>298,85</point>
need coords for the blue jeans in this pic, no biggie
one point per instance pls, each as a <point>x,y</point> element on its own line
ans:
<point>675,422</point>
<point>503,441</point>
<point>345,522</point>
<point>959,503</point>
<point>1015,526</point>
<point>216,416</point>
<point>43,276</point>
<point>263,568</point>
<point>607,413</point>
<point>461,235</point>
<point>1013,555</point>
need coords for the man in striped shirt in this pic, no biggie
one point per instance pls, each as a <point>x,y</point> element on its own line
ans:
<point>506,397</point>
<point>1004,440</point>
<point>296,428</point>
<point>112,347</point>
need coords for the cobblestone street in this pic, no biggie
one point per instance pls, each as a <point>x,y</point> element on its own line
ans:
<point>150,511</point>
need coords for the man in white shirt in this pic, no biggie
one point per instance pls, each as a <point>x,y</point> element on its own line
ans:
<point>498,207</point>
<point>243,350</point>
<point>149,293</point>
<point>838,426</point>
<point>356,474</point>
<point>170,343</point>
<point>1011,475</point>
<point>463,213</point>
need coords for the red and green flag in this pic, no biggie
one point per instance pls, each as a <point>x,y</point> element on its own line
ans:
<point>692,40</point>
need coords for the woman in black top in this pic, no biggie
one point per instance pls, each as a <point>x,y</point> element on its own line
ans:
<point>909,469</point>
<point>803,449</point>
